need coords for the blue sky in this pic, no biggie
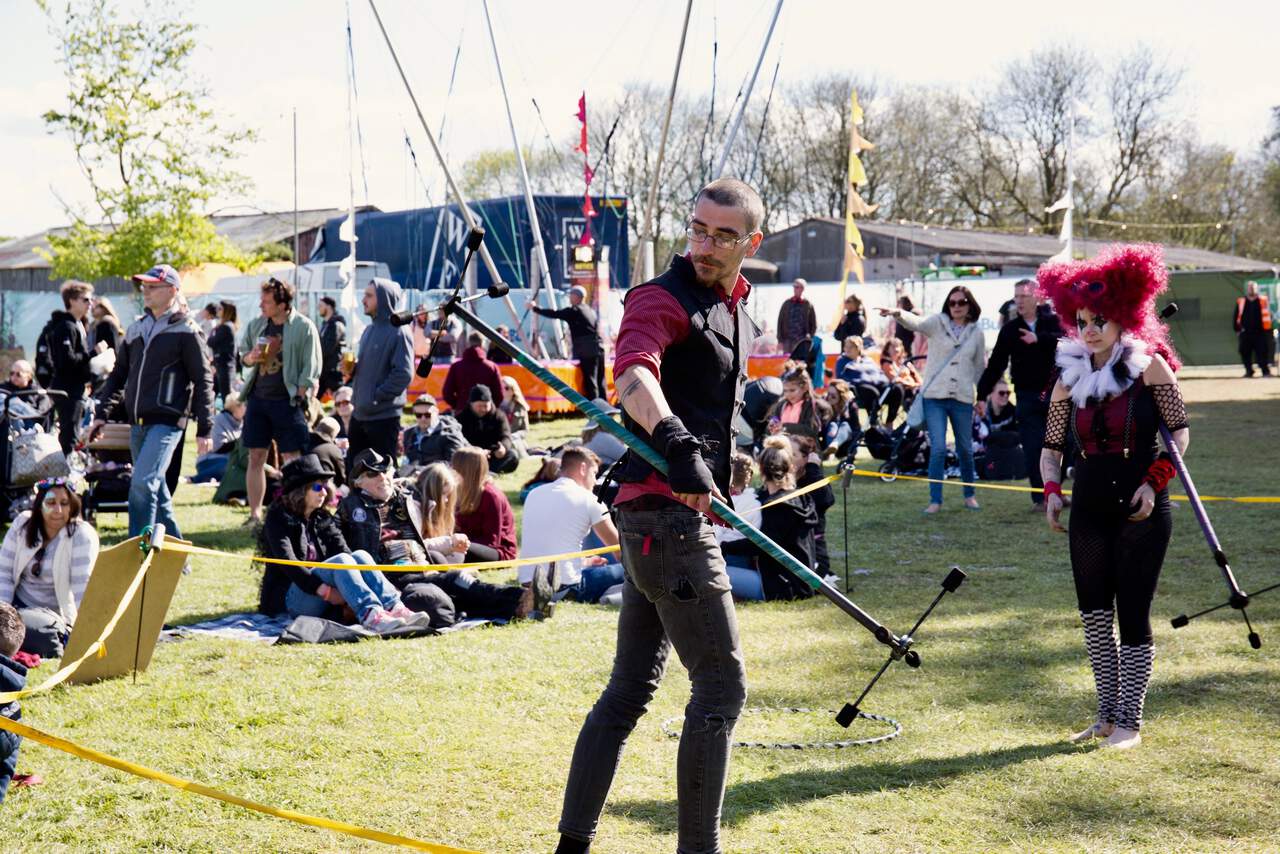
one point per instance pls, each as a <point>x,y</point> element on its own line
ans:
<point>264,58</point>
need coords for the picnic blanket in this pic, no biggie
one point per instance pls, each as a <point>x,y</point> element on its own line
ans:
<point>265,629</point>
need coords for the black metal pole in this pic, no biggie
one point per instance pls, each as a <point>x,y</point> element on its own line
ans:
<point>898,645</point>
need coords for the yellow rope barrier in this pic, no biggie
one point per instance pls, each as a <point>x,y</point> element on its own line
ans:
<point>389,567</point>
<point>189,786</point>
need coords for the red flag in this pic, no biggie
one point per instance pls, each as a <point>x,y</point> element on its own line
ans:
<point>588,174</point>
<point>588,209</point>
<point>582,117</point>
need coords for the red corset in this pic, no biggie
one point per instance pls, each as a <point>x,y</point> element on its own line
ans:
<point>1107,428</point>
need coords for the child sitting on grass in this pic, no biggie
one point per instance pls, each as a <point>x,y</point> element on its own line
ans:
<point>13,677</point>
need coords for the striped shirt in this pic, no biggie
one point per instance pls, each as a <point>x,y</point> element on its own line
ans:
<point>37,591</point>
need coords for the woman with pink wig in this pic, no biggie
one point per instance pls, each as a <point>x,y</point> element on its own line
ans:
<point>1115,388</point>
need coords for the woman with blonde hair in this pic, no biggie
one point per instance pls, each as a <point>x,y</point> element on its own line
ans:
<point>516,408</point>
<point>106,324</point>
<point>483,512</point>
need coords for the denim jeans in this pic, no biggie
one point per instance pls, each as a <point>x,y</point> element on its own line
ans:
<point>362,590</point>
<point>676,593</point>
<point>936,414</point>
<point>150,502</point>
<point>594,582</point>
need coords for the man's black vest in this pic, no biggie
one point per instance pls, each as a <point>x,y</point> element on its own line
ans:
<point>703,375</point>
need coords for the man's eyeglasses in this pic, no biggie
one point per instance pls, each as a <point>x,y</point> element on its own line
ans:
<point>421,415</point>
<point>343,403</point>
<point>697,234</point>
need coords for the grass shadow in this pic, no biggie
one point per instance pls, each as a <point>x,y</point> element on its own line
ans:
<point>744,800</point>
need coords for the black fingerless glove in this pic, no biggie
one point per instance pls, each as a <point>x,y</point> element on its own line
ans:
<point>687,472</point>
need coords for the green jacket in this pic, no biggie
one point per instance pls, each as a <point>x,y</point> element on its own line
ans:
<point>301,353</point>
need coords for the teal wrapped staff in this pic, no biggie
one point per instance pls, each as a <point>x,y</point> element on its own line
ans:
<point>898,644</point>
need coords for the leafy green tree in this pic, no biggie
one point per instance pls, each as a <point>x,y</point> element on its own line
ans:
<point>145,139</point>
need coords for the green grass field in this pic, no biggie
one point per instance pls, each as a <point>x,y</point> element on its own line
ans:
<point>465,739</point>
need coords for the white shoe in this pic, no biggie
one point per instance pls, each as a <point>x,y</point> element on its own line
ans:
<point>1122,739</point>
<point>379,620</point>
<point>1098,729</point>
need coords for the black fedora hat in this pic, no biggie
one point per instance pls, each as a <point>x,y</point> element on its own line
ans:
<point>305,469</point>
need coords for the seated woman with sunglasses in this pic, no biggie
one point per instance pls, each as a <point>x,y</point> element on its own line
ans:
<point>45,563</point>
<point>297,527</point>
<point>957,355</point>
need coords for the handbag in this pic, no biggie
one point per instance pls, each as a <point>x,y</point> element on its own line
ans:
<point>34,456</point>
<point>915,415</point>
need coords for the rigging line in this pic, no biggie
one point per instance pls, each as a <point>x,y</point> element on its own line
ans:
<point>560,158</point>
<point>764,118</point>
<point>453,76</point>
<point>351,70</point>
<point>711,116</point>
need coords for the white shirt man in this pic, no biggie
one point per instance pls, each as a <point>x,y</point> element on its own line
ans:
<point>557,519</point>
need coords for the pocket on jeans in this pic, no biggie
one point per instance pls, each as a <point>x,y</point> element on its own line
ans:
<point>698,569</point>
<point>642,560</point>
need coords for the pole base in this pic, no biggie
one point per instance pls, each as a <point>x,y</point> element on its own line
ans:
<point>847,715</point>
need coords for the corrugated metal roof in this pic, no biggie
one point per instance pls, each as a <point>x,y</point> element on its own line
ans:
<point>246,231</point>
<point>964,245</point>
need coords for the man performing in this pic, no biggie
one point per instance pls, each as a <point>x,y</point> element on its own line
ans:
<point>681,365</point>
<point>1116,387</point>
<point>584,332</point>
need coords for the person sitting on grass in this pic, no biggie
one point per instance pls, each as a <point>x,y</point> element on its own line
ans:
<point>485,427</point>
<point>297,527</point>
<point>558,518</point>
<point>432,439</point>
<point>13,677</point>
<point>790,523</point>
<point>227,426</point>
<point>45,562</point>
<point>387,520</point>
<point>484,513</point>
<point>324,444</point>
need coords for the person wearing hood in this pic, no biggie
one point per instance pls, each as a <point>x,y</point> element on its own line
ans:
<point>282,351</point>
<point>384,366</point>
<point>333,340</point>
<point>473,369</point>
<point>68,356</point>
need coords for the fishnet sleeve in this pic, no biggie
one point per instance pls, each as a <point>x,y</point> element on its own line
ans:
<point>1055,428</point>
<point>1173,412</point>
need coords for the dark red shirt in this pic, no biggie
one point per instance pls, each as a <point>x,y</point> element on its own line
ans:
<point>492,523</point>
<point>652,322</point>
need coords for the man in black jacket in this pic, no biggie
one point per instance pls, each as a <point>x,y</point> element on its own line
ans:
<point>68,355</point>
<point>333,339</point>
<point>433,438</point>
<point>1026,345</point>
<point>164,374</point>
<point>485,427</point>
<point>584,333</point>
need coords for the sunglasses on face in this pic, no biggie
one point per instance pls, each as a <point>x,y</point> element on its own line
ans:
<point>343,403</point>
<point>957,303</point>
<point>421,415</point>
<point>1002,394</point>
<point>318,486</point>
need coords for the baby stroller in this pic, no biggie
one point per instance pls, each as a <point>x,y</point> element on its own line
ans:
<point>21,413</point>
<point>108,466</point>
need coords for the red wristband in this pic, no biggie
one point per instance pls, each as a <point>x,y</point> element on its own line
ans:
<point>1052,487</point>
<point>1160,473</point>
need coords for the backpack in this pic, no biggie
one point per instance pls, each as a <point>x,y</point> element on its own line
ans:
<point>44,357</point>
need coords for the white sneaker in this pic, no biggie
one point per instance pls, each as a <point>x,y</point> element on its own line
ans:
<point>1097,729</point>
<point>379,620</point>
<point>1122,739</point>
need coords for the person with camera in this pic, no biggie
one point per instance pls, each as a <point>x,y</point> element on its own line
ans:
<point>282,351</point>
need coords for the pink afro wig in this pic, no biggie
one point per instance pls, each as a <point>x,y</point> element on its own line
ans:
<point>1121,283</point>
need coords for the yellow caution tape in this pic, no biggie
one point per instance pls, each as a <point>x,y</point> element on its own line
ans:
<point>1242,499</point>
<point>189,786</point>
<point>392,567</point>
<point>98,647</point>
<point>804,490</point>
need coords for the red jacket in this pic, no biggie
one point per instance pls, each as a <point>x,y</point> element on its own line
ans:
<point>492,523</point>
<point>471,370</point>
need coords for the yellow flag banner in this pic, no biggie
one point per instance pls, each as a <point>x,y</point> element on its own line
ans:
<point>858,206</point>
<point>857,175</point>
<point>855,113</point>
<point>857,143</point>
<point>852,236</point>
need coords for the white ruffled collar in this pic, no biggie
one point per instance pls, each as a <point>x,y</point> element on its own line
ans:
<point>1129,358</point>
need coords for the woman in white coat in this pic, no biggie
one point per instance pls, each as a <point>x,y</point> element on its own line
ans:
<point>45,562</point>
<point>957,355</point>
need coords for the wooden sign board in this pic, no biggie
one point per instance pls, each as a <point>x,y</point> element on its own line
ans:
<point>111,576</point>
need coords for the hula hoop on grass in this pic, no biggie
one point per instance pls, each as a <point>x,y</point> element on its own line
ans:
<point>670,732</point>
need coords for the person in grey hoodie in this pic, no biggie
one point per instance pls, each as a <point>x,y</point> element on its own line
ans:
<point>384,366</point>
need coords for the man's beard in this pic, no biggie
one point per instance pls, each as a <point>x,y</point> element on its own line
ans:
<point>715,278</point>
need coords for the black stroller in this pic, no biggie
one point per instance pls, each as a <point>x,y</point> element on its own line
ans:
<point>14,497</point>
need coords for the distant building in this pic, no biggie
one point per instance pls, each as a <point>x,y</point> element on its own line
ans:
<point>814,250</point>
